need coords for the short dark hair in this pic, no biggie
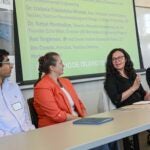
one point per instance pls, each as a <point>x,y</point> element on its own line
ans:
<point>3,54</point>
<point>110,70</point>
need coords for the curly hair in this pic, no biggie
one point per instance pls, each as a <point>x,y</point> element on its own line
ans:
<point>129,69</point>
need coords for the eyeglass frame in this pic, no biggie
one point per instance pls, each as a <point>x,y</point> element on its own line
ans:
<point>118,58</point>
<point>7,62</point>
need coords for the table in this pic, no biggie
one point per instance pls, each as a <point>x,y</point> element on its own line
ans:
<point>64,136</point>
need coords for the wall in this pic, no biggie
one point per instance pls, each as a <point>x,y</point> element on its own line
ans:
<point>143,20</point>
<point>90,93</point>
<point>142,3</point>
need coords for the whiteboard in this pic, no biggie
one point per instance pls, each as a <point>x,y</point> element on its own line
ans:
<point>143,22</point>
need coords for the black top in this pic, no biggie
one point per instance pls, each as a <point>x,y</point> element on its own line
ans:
<point>148,76</point>
<point>116,85</point>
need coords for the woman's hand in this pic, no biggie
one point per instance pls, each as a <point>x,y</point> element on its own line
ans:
<point>136,83</point>
<point>132,89</point>
<point>71,117</point>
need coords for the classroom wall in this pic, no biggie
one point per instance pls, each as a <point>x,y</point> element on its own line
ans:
<point>142,3</point>
<point>91,92</point>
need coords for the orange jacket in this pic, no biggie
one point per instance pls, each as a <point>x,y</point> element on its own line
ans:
<point>51,103</point>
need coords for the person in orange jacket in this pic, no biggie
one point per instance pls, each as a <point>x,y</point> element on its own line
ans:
<point>55,99</point>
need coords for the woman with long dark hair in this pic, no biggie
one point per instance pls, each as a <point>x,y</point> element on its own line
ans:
<point>122,84</point>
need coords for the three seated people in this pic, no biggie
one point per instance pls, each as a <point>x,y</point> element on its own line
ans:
<point>55,99</point>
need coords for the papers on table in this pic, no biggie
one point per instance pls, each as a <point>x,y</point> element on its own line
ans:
<point>142,103</point>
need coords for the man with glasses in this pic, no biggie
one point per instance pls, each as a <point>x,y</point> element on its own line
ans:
<point>14,116</point>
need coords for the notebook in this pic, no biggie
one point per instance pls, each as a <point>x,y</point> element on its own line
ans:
<point>93,121</point>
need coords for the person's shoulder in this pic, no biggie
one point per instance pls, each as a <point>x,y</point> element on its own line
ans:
<point>148,70</point>
<point>45,82</point>
<point>11,86</point>
<point>110,80</point>
<point>111,77</point>
<point>65,80</point>
<point>10,83</point>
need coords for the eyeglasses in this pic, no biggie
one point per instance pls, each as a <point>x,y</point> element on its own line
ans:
<point>7,62</point>
<point>120,58</point>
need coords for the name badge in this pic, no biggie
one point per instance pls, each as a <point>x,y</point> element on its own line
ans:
<point>17,106</point>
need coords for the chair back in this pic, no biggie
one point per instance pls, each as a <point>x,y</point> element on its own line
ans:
<point>108,105</point>
<point>34,116</point>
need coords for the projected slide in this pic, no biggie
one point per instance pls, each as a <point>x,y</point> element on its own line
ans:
<point>81,31</point>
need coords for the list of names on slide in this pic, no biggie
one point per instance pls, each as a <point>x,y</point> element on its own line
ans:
<point>75,29</point>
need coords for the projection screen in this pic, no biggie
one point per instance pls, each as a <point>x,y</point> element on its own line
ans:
<point>82,31</point>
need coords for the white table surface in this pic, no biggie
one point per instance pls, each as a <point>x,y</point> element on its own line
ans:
<point>127,121</point>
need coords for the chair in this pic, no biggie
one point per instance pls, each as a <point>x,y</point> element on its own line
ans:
<point>34,117</point>
<point>108,105</point>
